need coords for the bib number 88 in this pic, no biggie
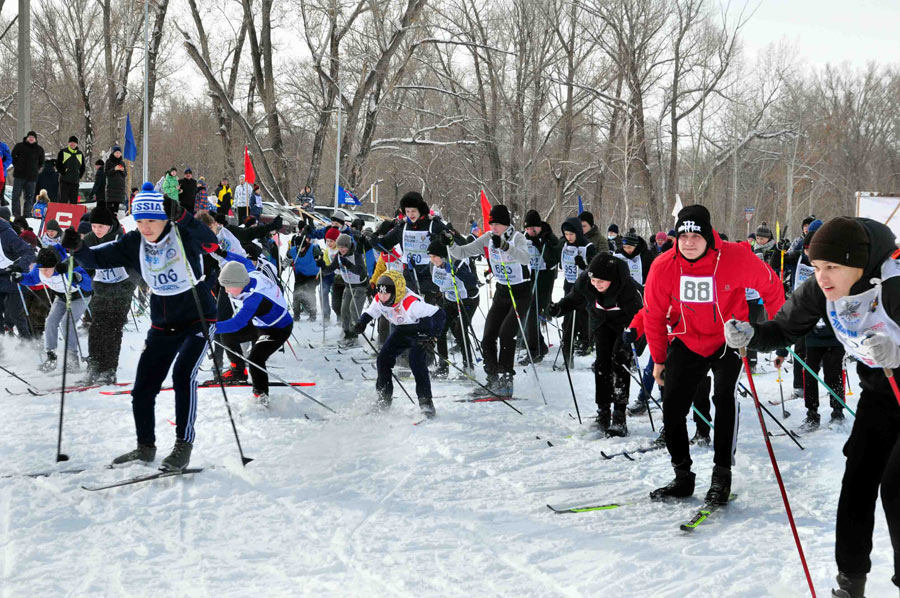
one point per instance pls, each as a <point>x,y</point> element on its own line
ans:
<point>696,289</point>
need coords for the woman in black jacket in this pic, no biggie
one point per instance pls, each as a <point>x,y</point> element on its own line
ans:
<point>116,180</point>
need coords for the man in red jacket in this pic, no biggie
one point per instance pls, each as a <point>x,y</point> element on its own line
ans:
<point>702,279</point>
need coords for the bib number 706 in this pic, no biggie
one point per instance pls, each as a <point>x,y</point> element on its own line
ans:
<point>696,289</point>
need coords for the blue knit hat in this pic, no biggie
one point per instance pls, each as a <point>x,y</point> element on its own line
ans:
<point>148,204</point>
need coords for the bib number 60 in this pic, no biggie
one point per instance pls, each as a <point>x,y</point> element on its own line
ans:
<point>696,289</point>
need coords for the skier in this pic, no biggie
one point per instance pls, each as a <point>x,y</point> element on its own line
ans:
<point>415,326</point>
<point>163,255</point>
<point>613,298</point>
<point>544,248</point>
<point>262,319</point>
<point>575,255</point>
<point>50,271</point>
<point>351,263</point>
<point>637,255</point>
<point>701,281</point>
<point>16,256</point>
<point>509,259</point>
<point>113,290</point>
<point>52,234</point>
<point>302,257</point>
<point>856,288</point>
<point>460,300</point>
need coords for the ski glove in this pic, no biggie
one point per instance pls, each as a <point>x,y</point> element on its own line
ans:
<point>629,336</point>
<point>554,310</point>
<point>62,267</point>
<point>173,209</point>
<point>446,238</point>
<point>426,341</point>
<point>498,242</point>
<point>221,252</point>
<point>883,349</point>
<point>579,261</point>
<point>359,328</point>
<point>71,240</point>
<point>16,276</point>
<point>738,333</point>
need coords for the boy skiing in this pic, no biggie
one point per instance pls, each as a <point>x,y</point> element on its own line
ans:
<point>577,252</point>
<point>169,261</point>
<point>351,264</point>
<point>415,326</point>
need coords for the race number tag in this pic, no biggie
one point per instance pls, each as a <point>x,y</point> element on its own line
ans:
<point>696,289</point>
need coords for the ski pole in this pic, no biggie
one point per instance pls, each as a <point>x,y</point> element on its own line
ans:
<point>784,496</point>
<point>209,341</point>
<point>746,392</point>
<point>27,313</point>
<point>572,386</point>
<point>890,376</point>
<point>822,382</point>
<point>512,298</point>
<point>641,380</point>
<point>19,378</point>
<point>849,390</point>
<point>473,379</point>
<point>784,412</point>
<point>693,408</point>
<point>60,456</point>
<point>276,376</point>
<point>459,309</point>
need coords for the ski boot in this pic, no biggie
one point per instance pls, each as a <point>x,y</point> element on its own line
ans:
<point>681,487</point>
<point>797,393</point>
<point>639,408</point>
<point>50,364</point>
<point>850,587</point>
<point>143,452</point>
<point>837,417</point>
<point>90,379</point>
<point>426,405</point>
<point>618,427</point>
<point>312,318</point>
<point>811,423</point>
<point>383,403</point>
<point>261,397</point>
<point>442,372</point>
<point>105,378</point>
<point>700,439</point>
<point>720,487</point>
<point>490,387</point>
<point>72,363</point>
<point>349,341</point>
<point>504,386</point>
<point>179,458</point>
<point>601,422</point>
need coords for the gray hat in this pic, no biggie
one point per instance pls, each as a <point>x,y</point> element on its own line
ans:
<point>234,274</point>
<point>344,240</point>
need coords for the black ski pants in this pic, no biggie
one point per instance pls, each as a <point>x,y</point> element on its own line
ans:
<point>684,371</point>
<point>13,312</point>
<point>873,460</point>
<point>501,323</point>
<point>610,367</point>
<point>265,342</point>
<point>756,313</point>
<point>109,308</point>
<point>68,192</point>
<point>830,360</point>
<point>459,327</point>
<point>579,319</point>
<point>799,371</point>
<point>397,342</point>
<point>184,347</point>
<point>543,297</point>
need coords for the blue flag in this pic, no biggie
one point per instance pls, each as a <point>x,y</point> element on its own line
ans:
<point>580,206</point>
<point>346,198</point>
<point>130,152</point>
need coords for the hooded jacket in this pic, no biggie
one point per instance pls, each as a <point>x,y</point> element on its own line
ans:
<point>645,253</point>
<point>116,180</point>
<point>703,294</point>
<point>601,243</point>
<point>807,306</point>
<point>614,308</point>
<point>574,224</point>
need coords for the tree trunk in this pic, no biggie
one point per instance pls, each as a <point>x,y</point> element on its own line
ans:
<point>87,147</point>
<point>156,36</point>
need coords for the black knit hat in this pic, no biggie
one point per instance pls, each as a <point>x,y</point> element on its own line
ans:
<point>763,230</point>
<point>221,218</point>
<point>613,228</point>
<point>500,215</point>
<point>605,267</point>
<point>412,199</point>
<point>695,219</point>
<point>73,139</point>
<point>99,162</point>
<point>53,225</point>
<point>532,218</point>
<point>101,215</point>
<point>808,220</point>
<point>586,216</point>
<point>631,238</point>
<point>842,241</point>
<point>47,258</point>
<point>437,248</point>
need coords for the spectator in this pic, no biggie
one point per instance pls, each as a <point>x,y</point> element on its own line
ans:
<point>170,184</point>
<point>243,194</point>
<point>224,195</point>
<point>48,180</point>
<point>256,206</point>
<point>201,200</point>
<point>70,166</point>
<point>98,191</point>
<point>27,157</point>
<point>187,190</point>
<point>40,206</point>
<point>306,199</point>
<point>116,179</point>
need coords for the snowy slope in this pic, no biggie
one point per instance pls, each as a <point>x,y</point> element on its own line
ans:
<point>362,505</point>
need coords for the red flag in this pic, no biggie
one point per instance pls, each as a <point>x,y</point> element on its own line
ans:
<point>249,173</point>
<point>485,212</point>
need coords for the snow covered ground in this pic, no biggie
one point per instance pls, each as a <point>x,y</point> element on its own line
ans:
<point>356,504</point>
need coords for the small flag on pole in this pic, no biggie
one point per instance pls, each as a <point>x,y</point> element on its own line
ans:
<point>249,173</point>
<point>130,152</point>
<point>346,198</point>
<point>485,211</point>
<point>580,206</point>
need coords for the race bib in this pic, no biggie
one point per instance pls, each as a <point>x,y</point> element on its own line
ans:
<point>415,246</point>
<point>696,289</point>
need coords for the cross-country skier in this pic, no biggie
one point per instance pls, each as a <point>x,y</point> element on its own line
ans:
<point>460,290</point>
<point>509,259</point>
<point>857,289</point>
<point>351,263</point>
<point>544,248</point>
<point>415,326</point>
<point>703,281</point>
<point>575,255</point>
<point>176,331</point>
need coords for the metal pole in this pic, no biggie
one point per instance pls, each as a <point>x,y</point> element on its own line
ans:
<point>23,100</point>
<point>337,153</point>
<point>145,134</point>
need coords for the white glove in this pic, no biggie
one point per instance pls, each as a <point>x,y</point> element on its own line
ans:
<point>885,352</point>
<point>738,333</point>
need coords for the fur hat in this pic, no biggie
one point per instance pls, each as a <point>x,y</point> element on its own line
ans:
<point>47,258</point>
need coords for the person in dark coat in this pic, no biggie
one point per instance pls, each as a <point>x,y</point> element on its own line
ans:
<point>116,180</point>
<point>637,255</point>
<point>188,194</point>
<point>47,181</point>
<point>70,165</point>
<point>15,256</point>
<point>27,157</point>
<point>98,191</point>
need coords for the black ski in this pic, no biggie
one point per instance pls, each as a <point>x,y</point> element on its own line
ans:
<point>628,454</point>
<point>144,478</point>
<point>703,514</point>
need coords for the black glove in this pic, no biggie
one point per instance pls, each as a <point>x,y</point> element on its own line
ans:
<point>784,244</point>
<point>277,222</point>
<point>629,336</point>
<point>321,263</point>
<point>554,310</point>
<point>71,240</point>
<point>359,328</point>
<point>62,267</point>
<point>496,240</point>
<point>426,341</point>
<point>16,276</point>
<point>446,238</point>
<point>220,251</point>
<point>579,261</point>
<point>173,209</point>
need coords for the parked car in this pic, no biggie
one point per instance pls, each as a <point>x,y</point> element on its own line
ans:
<point>371,220</point>
<point>272,209</point>
<point>84,191</point>
<point>329,211</point>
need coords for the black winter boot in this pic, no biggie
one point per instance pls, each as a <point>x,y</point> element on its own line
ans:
<point>426,405</point>
<point>618,427</point>
<point>720,487</point>
<point>384,401</point>
<point>850,587</point>
<point>143,452</point>
<point>491,384</point>
<point>179,458</point>
<point>681,487</point>
<point>601,422</point>
<point>811,423</point>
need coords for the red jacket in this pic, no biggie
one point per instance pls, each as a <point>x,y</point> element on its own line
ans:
<point>713,289</point>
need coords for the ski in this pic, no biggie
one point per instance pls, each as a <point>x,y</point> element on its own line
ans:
<point>41,474</point>
<point>74,388</point>
<point>628,454</point>
<point>488,399</point>
<point>703,514</point>
<point>589,508</point>
<point>210,385</point>
<point>144,478</point>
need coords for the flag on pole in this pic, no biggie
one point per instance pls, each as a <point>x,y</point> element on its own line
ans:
<point>346,198</point>
<point>485,210</point>
<point>130,152</point>
<point>249,173</point>
<point>580,206</point>
<point>677,207</point>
